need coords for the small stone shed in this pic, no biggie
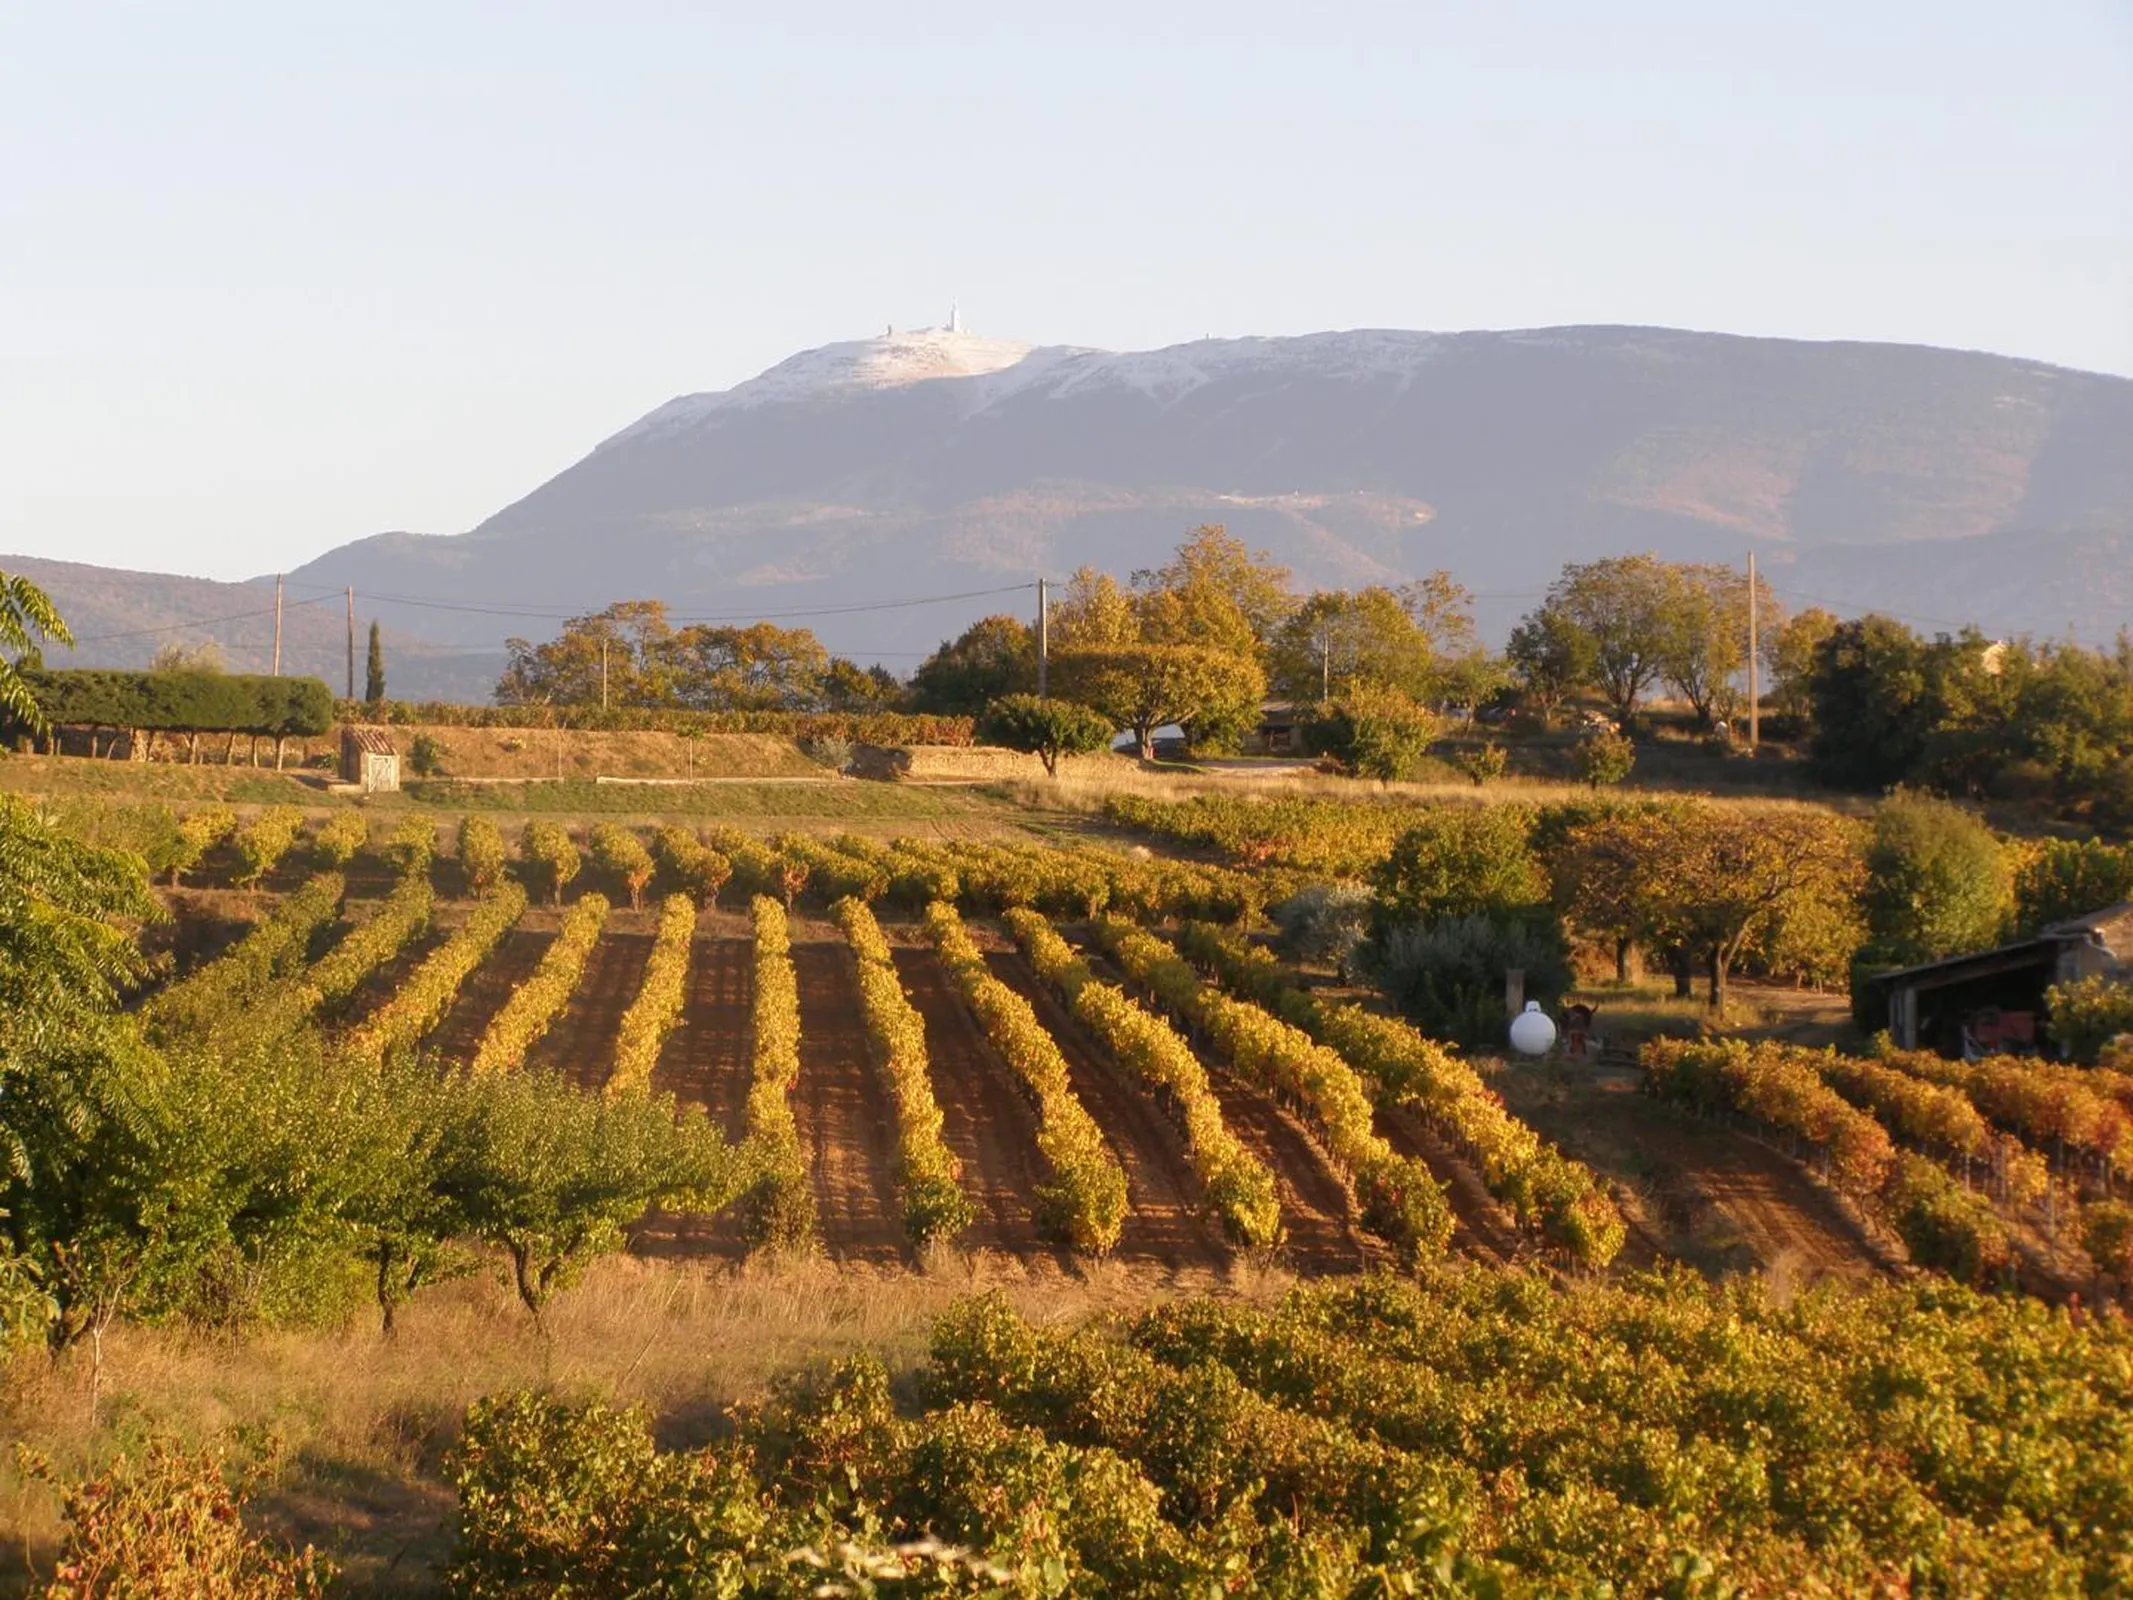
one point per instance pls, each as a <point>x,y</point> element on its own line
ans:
<point>369,761</point>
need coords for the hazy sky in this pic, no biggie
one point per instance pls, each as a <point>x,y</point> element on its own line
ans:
<point>271,279</point>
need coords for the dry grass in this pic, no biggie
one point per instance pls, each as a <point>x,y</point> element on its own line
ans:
<point>362,1424</point>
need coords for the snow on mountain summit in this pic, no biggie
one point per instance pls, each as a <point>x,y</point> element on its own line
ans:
<point>996,369</point>
<point>892,360</point>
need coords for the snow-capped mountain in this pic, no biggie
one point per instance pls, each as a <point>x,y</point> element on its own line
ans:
<point>1934,483</point>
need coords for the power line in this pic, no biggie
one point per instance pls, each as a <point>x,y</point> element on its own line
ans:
<point>186,627</point>
<point>568,613</point>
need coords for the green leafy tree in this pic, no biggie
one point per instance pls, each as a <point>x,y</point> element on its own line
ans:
<point>1620,620</point>
<point>1938,883</point>
<point>991,659</point>
<point>374,670</point>
<point>1706,649</point>
<point>71,1067</point>
<point>1337,642</point>
<point>27,619</point>
<point>1047,729</point>
<point>1378,733</point>
<point>1793,652</point>
<point>1551,658</point>
<point>552,1176</point>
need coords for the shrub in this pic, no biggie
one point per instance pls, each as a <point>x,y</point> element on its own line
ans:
<point>831,750</point>
<point>262,842</point>
<point>1378,733</point>
<point>935,1207</point>
<point>2107,1235</point>
<point>1449,974</point>
<point>620,854</point>
<point>779,1210</point>
<point>551,859</point>
<point>535,1004</point>
<point>481,855</point>
<point>1459,860</point>
<point>1325,923</point>
<point>412,846</point>
<point>340,837</point>
<point>691,866</point>
<point>425,757</point>
<point>421,1002</point>
<point>2087,1014</point>
<point>1485,765</point>
<point>657,1009</point>
<point>1603,759</point>
<point>169,1523</point>
<point>199,833</point>
<point>1086,1199</point>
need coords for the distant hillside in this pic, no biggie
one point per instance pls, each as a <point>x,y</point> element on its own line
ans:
<point>120,619</point>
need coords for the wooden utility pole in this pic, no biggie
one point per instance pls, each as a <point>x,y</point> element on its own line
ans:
<point>277,624</point>
<point>351,642</point>
<point>1755,680</point>
<point>603,674</point>
<point>1044,640</point>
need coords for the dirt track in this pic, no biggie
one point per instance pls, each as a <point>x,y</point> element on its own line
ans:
<point>1768,1204</point>
<point>1165,1223</point>
<point>1483,1228</point>
<point>384,982</point>
<point>846,1118</point>
<point>483,995</point>
<point>707,1061</point>
<point>582,1043</point>
<point>1317,1211</point>
<point>984,1118</point>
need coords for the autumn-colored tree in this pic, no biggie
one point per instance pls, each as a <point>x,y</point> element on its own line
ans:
<point>629,645</point>
<point>1144,687</point>
<point>1708,880</point>
<point>759,667</point>
<point>1212,575</point>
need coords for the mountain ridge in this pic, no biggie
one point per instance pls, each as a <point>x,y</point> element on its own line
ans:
<point>1930,483</point>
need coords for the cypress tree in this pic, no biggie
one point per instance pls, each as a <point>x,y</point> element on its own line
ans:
<point>374,676</point>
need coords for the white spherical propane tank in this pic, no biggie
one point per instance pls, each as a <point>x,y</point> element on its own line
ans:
<point>1532,1031</point>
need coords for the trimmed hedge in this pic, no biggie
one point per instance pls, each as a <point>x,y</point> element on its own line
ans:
<point>183,702</point>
